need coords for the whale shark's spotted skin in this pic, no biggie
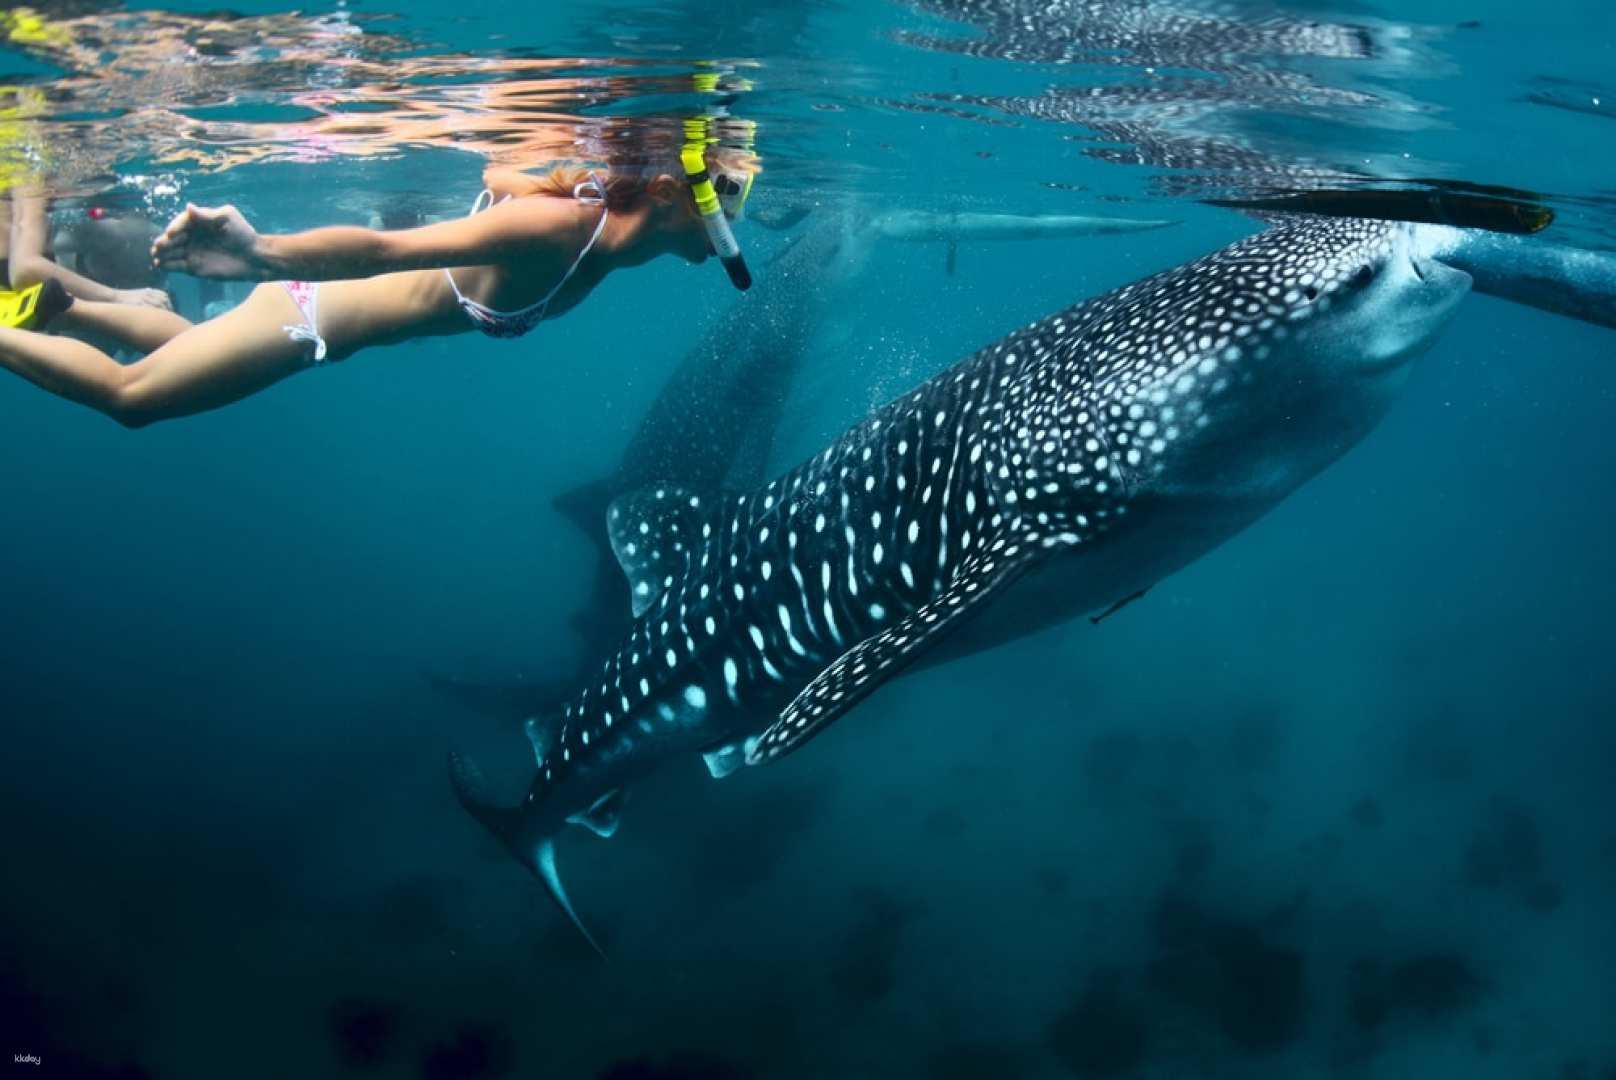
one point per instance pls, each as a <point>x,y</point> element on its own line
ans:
<point>1033,443</point>
<point>732,388</point>
<point>1109,444</point>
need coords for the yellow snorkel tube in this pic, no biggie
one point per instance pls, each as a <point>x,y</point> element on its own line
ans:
<point>713,219</point>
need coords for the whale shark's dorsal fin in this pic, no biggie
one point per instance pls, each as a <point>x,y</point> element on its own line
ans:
<point>584,504</point>
<point>855,674</point>
<point>540,732</point>
<point>652,532</point>
<point>603,816</point>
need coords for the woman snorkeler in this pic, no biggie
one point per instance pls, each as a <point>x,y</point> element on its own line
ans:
<point>532,248</point>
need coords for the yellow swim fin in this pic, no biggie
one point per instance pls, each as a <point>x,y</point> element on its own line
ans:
<point>31,308</point>
<point>18,308</point>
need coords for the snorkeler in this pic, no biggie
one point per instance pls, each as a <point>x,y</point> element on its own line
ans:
<point>97,255</point>
<point>532,248</point>
<point>29,252</point>
<point>102,258</point>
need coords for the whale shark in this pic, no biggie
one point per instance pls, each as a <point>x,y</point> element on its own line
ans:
<point>713,422</point>
<point>1557,278</point>
<point>1053,473</point>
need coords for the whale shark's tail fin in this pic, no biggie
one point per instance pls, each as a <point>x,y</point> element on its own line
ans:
<point>505,822</point>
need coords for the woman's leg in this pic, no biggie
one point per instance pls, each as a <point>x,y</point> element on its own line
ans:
<point>144,329</point>
<point>212,364</point>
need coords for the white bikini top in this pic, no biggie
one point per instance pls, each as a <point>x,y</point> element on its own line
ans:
<point>510,324</point>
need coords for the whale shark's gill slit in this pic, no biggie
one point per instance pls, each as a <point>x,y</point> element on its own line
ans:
<point>1108,450</point>
<point>811,629</point>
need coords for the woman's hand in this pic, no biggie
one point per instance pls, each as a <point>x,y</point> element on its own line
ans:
<point>211,242</point>
<point>153,298</point>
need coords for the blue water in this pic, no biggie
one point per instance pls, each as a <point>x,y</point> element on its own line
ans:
<point>1334,801</point>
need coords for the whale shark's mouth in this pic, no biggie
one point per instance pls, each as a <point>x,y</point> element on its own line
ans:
<point>1420,312</point>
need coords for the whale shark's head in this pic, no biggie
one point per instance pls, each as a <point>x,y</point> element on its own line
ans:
<point>1354,297</point>
<point>1252,368</point>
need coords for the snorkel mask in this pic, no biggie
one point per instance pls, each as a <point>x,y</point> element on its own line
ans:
<point>732,192</point>
<point>717,201</point>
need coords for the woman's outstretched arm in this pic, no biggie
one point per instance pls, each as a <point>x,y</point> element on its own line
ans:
<point>218,242</point>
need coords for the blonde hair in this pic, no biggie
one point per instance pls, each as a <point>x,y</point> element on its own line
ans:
<point>625,184</point>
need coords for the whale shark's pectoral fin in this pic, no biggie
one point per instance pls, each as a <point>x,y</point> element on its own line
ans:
<point>652,532</point>
<point>723,760</point>
<point>856,673</point>
<point>603,817</point>
<point>471,788</point>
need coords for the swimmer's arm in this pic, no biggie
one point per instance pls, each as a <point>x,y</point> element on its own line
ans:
<point>28,264</point>
<point>34,269</point>
<point>218,242</point>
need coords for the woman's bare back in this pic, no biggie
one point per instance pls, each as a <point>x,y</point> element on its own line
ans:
<point>390,308</point>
